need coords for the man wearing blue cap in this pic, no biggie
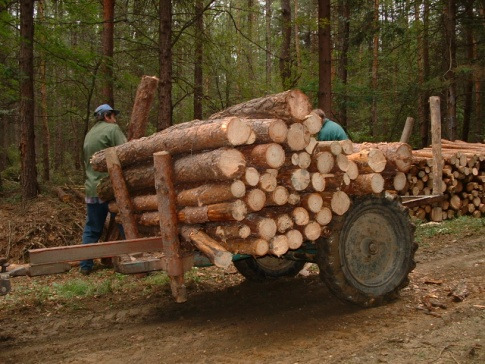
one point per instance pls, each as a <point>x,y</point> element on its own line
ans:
<point>104,134</point>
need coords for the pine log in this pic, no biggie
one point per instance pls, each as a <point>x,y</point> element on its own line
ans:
<point>313,122</point>
<point>313,202</point>
<point>300,216</point>
<point>219,133</point>
<point>298,137</point>
<point>216,253</point>
<point>61,194</point>
<point>226,231</point>
<point>251,176</point>
<point>324,216</point>
<point>263,227</point>
<point>264,156</point>
<point>369,160</point>
<point>322,162</point>
<point>294,198</point>
<point>278,245</point>
<point>333,147</point>
<point>291,105</point>
<point>317,182</point>
<point>120,191</point>
<point>295,239</point>
<point>255,246</point>
<point>141,107</point>
<point>255,199</point>
<point>267,182</point>
<point>341,163</point>
<point>211,193</point>
<point>397,181</point>
<point>268,130</point>
<point>278,197</point>
<point>297,179</point>
<point>353,170</point>
<point>398,155</point>
<point>407,130</point>
<point>338,201</point>
<point>216,165</point>
<point>311,231</point>
<point>347,146</point>
<point>283,223</point>
<point>366,184</point>
<point>304,160</point>
<point>437,214</point>
<point>311,145</point>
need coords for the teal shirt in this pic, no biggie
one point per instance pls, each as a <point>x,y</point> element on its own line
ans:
<point>101,136</point>
<point>331,131</point>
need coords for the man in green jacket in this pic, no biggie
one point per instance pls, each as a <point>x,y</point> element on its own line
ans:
<point>104,134</point>
<point>330,129</point>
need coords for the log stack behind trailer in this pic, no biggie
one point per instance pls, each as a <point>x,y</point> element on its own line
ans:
<point>253,178</point>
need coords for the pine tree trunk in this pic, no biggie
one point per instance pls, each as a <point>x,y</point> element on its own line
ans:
<point>344,35</point>
<point>165,65</point>
<point>26,60</point>
<point>198,90</point>
<point>107,41</point>
<point>324,57</point>
<point>285,53</point>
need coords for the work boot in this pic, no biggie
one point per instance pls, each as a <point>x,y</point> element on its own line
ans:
<point>85,271</point>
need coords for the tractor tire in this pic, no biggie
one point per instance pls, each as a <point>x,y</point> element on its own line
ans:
<point>369,253</point>
<point>260,269</point>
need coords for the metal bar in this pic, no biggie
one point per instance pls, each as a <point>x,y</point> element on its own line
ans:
<point>92,251</point>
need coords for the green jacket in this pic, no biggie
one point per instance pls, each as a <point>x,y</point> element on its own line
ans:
<point>331,131</point>
<point>101,136</point>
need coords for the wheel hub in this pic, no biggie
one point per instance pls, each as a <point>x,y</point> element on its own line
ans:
<point>370,251</point>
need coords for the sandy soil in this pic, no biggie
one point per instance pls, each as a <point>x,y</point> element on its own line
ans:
<point>285,321</point>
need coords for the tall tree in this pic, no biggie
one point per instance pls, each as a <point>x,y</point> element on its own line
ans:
<point>285,53</point>
<point>467,111</point>
<point>165,65</point>
<point>423,69</point>
<point>268,15</point>
<point>198,59</point>
<point>27,143</point>
<point>375,67</point>
<point>450,36</point>
<point>324,57</point>
<point>108,45</point>
<point>43,102</point>
<point>344,35</point>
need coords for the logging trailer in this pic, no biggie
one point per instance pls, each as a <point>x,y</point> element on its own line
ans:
<point>364,254</point>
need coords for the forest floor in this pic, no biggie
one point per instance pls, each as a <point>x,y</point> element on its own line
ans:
<point>113,318</point>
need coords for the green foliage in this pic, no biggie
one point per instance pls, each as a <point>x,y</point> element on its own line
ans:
<point>461,225</point>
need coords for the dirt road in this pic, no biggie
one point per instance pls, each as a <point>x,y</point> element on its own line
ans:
<point>285,321</point>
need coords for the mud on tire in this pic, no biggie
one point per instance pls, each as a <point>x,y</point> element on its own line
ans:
<point>370,252</point>
<point>260,269</point>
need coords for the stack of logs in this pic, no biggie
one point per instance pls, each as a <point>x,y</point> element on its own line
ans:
<point>463,182</point>
<point>253,177</point>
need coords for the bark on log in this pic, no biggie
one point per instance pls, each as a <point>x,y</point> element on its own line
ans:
<point>399,155</point>
<point>219,133</point>
<point>292,105</point>
<point>211,193</point>
<point>226,231</point>
<point>369,160</point>
<point>256,247</point>
<point>263,227</point>
<point>333,147</point>
<point>216,165</point>
<point>268,130</point>
<point>216,253</point>
<point>141,108</point>
<point>264,156</point>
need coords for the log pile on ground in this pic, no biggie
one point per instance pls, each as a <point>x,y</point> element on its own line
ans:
<point>463,181</point>
<point>253,177</point>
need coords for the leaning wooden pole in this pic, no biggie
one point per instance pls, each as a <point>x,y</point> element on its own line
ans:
<point>167,211</point>
<point>408,129</point>
<point>121,193</point>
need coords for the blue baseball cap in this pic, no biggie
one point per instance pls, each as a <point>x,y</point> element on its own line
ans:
<point>102,109</point>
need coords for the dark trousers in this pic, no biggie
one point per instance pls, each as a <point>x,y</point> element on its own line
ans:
<point>96,216</point>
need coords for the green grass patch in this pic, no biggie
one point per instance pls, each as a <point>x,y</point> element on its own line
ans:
<point>460,226</point>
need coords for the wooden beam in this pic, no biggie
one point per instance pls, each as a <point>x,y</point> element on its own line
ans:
<point>408,129</point>
<point>92,251</point>
<point>167,212</point>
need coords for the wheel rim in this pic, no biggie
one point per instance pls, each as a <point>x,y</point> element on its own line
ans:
<point>370,251</point>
